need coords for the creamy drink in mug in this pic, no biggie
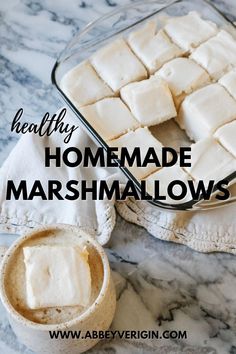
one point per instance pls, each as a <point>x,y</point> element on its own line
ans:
<point>57,278</point>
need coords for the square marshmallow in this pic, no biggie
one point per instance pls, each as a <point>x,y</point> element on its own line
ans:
<point>190,30</point>
<point>109,117</point>
<point>57,276</point>
<point>183,76</point>
<point>117,65</point>
<point>210,161</point>
<point>83,86</point>
<point>227,137</point>
<point>217,55</point>
<point>167,175</point>
<point>152,47</point>
<point>143,139</point>
<point>229,82</point>
<point>205,110</point>
<point>150,101</point>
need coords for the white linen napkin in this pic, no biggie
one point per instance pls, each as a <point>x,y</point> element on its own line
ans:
<point>26,162</point>
<point>213,230</point>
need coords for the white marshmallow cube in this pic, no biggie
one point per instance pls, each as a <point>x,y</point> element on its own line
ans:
<point>143,139</point>
<point>190,30</point>
<point>150,101</point>
<point>109,117</point>
<point>117,65</point>
<point>152,47</point>
<point>210,161</point>
<point>205,110</point>
<point>229,82</point>
<point>57,276</point>
<point>165,176</point>
<point>226,135</point>
<point>83,86</point>
<point>218,55</point>
<point>182,76</point>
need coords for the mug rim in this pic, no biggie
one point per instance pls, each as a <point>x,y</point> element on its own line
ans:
<point>64,325</point>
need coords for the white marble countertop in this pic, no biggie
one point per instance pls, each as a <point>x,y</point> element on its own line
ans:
<point>160,285</point>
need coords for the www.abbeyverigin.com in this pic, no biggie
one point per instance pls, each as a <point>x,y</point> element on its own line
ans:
<point>128,334</point>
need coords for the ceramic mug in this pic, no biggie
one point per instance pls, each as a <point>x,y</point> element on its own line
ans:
<point>97,317</point>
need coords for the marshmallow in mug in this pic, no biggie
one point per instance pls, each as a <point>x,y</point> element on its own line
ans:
<point>33,325</point>
<point>57,276</point>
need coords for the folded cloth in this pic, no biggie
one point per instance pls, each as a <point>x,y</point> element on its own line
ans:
<point>27,162</point>
<point>206,231</point>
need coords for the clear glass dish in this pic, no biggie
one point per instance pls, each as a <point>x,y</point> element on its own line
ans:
<point>120,22</point>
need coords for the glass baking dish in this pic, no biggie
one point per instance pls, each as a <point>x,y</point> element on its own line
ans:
<point>120,22</point>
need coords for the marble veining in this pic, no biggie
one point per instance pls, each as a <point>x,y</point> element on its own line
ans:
<point>160,285</point>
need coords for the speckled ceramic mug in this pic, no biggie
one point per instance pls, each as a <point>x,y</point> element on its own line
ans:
<point>97,317</point>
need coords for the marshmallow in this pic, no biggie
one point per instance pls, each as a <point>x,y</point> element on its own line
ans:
<point>117,65</point>
<point>205,110</point>
<point>217,55</point>
<point>152,47</point>
<point>227,137</point>
<point>165,176</point>
<point>83,86</point>
<point>210,161</point>
<point>143,139</point>
<point>229,82</point>
<point>109,117</point>
<point>190,30</point>
<point>150,101</point>
<point>57,276</point>
<point>182,76</point>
